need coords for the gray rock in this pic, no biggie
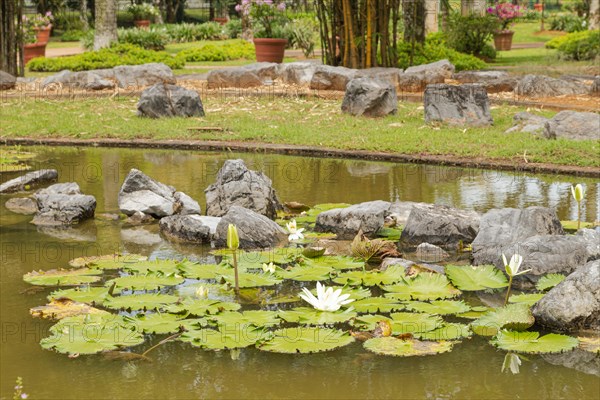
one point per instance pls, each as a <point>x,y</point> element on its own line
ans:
<point>427,252</point>
<point>237,185</point>
<point>347,222</point>
<point>211,222</point>
<point>78,80</point>
<point>407,265</point>
<point>21,205</point>
<point>163,100</point>
<point>7,81</point>
<point>32,179</point>
<point>574,303</point>
<point>527,123</point>
<point>418,81</point>
<point>86,233</point>
<point>139,218</point>
<point>439,225</point>
<point>501,228</point>
<point>441,67</point>
<point>399,211</point>
<point>332,78</point>
<point>458,105</point>
<point>544,86</point>
<point>185,228</point>
<point>369,97</point>
<point>493,81</point>
<point>388,75</point>
<point>595,88</point>
<point>573,125</point>
<point>252,75</point>
<point>578,359</point>
<point>254,230</point>
<point>63,204</point>
<point>188,205</point>
<point>592,241</point>
<point>143,75</point>
<point>297,73</point>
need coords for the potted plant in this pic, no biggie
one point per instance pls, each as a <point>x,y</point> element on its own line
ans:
<point>142,14</point>
<point>506,14</point>
<point>267,18</point>
<point>32,46</point>
<point>43,26</point>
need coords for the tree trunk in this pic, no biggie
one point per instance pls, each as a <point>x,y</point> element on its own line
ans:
<point>431,16</point>
<point>160,6</point>
<point>83,15</point>
<point>11,44</point>
<point>414,21</point>
<point>468,7</point>
<point>594,15</point>
<point>106,23</point>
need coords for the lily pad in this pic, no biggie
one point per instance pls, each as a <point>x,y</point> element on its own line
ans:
<point>470,278</point>
<point>391,346</point>
<point>85,294</point>
<point>425,286</point>
<point>255,259</point>
<point>311,316</point>
<point>376,304</point>
<point>547,282</point>
<point>158,323</point>
<point>310,217</point>
<point>305,273</point>
<point>531,342</point>
<point>215,291</point>
<point>526,298</point>
<point>591,344</point>
<point>211,339</point>
<point>166,267</point>
<point>448,331</point>
<point>257,318</point>
<point>390,233</point>
<point>62,308</point>
<point>250,280</point>
<point>476,312</point>
<point>306,340</point>
<point>392,274</point>
<point>63,277</point>
<point>571,226</point>
<point>441,307</point>
<point>145,301</point>
<point>150,281</point>
<point>401,323</point>
<point>204,271</point>
<point>516,317</point>
<point>202,307</point>
<point>108,261</point>
<point>337,262</point>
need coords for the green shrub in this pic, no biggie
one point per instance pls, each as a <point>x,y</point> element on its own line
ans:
<point>568,23</point>
<point>470,34</point>
<point>238,50</point>
<point>72,35</point>
<point>66,21</point>
<point>303,35</point>
<point>584,45</point>
<point>436,49</point>
<point>120,54</point>
<point>150,39</point>
<point>530,14</point>
<point>233,28</point>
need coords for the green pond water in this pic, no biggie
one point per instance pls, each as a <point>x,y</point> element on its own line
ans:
<point>471,370</point>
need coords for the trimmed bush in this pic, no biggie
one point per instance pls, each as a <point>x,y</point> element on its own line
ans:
<point>240,49</point>
<point>233,28</point>
<point>148,39</point>
<point>584,45</point>
<point>436,49</point>
<point>568,22</point>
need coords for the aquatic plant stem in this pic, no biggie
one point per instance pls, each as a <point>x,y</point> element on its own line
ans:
<point>510,279</point>
<point>161,342</point>
<point>578,215</point>
<point>235,268</point>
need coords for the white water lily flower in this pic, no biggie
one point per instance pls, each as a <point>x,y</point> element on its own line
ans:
<point>201,292</point>
<point>270,267</point>
<point>327,299</point>
<point>578,192</point>
<point>295,233</point>
<point>512,268</point>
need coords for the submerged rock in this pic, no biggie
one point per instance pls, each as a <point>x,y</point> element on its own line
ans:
<point>21,205</point>
<point>237,185</point>
<point>573,125</point>
<point>458,105</point>
<point>367,217</point>
<point>427,252</point>
<point>254,230</point>
<point>63,204</point>
<point>163,100</point>
<point>30,179</point>
<point>185,228</point>
<point>139,218</point>
<point>370,97</point>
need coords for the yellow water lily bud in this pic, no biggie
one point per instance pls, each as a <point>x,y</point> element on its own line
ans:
<point>577,192</point>
<point>233,240</point>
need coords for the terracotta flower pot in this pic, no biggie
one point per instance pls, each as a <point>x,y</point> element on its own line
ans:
<point>142,23</point>
<point>538,6</point>
<point>221,21</point>
<point>269,50</point>
<point>503,40</point>
<point>34,50</point>
<point>43,34</point>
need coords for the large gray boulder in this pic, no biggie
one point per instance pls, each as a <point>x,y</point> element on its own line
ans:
<point>525,122</point>
<point>62,204</point>
<point>7,81</point>
<point>442,67</point>
<point>501,228</point>
<point>439,225</point>
<point>163,100</point>
<point>297,73</point>
<point>458,105</point>
<point>237,185</point>
<point>21,205</point>
<point>591,238</point>
<point>574,303</point>
<point>544,86</point>
<point>388,75</point>
<point>493,81</point>
<point>367,217</point>
<point>332,78</point>
<point>137,76</point>
<point>595,89</point>
<point>418,81</point>
<point>254,230</point>
<point>399,212</point>
<point>140,193</point>
<point>29,180</point>
<point>370,97</point>
<point>252,75</point>
<point>185,228</point>
<point>78,80</point>
<point>573,125</point>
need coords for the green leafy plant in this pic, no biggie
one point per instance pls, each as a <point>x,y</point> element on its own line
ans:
<point>578,46</point>
<point>268,15</point>
<point>470,34</point>
<point>145,38</point>
<point>233,28</point>
<point>513,316</point>
<point>549,281</point>
<point>306,340</point>
<point>436,49</point>
<point>142,11</point>
<point>568,22</point>
<point>476,278</point>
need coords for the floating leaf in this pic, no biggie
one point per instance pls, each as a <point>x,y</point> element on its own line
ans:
<point>311,316</point>
<point>158,323</point>
<point>306,340</point>
<point>337,262</point>
<point>573,226</point>
<point>475,313</point>
<point>390,233</point>
<point>476,278</point>
<point>391,346</point>
<point>376,304</point>
<point>549,281</point>
<point>109,261</point>
<point>255,259</point>
<point>425,286</point>
<point>145,301</point>
<point>306,273</point>
<point>250,280</point>
<point>513,316</point>
<point>215,291</point>
<point>204,271</point>
<point>150,281</point>
<point>531,342</point>
<point>392,274</point>
<point>441,307</point>
<point>448,331</point>
<point>529,298</point>
<point>310,217</point>
<point>167,267</point>
<point>86,294</point>
<point>202,306</point>
<point>63,277</point>
<point>401,323</point>
<point>62,308</point>
<point>257,318</point>
<point>232,338</point>
<point>591,344</point>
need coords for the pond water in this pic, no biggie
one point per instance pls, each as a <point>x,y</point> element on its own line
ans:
<point>471,370</point>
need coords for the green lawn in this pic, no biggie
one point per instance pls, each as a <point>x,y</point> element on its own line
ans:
<point>529,32</point>
<point>295,121</point>
<point>54,43</point>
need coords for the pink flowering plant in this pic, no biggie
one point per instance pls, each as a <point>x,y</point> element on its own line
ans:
<point>506,14</point>
<point>266,16</point>
<point>31,24</point>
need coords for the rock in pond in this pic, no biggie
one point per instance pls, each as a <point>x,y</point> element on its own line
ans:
<point>574,303</point>
<point>240,186</point>
<point>29,180</point>
<point>254,230</point>
<point>21,205</point>
<point>457,105</point>
<point>370,97</point>
<point>185,228</point>
<point>367,217</point>
<point>63,204</point>
<point>163,100</point>
<point>573,125</point>
<point>591,238</point>
<point>427,252</point>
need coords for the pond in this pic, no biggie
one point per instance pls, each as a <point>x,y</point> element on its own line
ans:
<point>471,370</point>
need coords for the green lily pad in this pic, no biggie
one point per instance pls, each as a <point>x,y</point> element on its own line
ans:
<point>531,342</point>
<point>305,273</point>
<point>376,304</point>
<point>158,323</point>
<point>204,271</point>
<point>441,307</point>
<point>547,282</point>
<point>255,259</point>
<point>215,291</point>
<point>528,298</point>
<point>62,308</point>
<point>475,312</point>
<point>306,340</point>
<point>150,281</point>
<point>310,217</point>
<point>448,331</point>
<point>145,301</point>
<point>337,262</point>
<point>202,307</point>
<point>392,274</point>
<point>311,316</point>
<point>513,316</point>
<point>471,278</point>
<point>390,233</point>
<point>571,226</point>
<point>211,339</point>
<point>63,277</point>
<point>391,346</point>
<point>166,267</point>
<point>425,286</point>
<point>250,280</point>
<point>402,322</point>
<point>108,261</point>
<point>257,318</point>
<point>86,294</point>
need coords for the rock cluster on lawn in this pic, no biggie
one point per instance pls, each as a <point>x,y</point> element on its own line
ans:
<point>90,80</point>
<point>162,100</point>
<point>247,76</point>
<point>63,204</point>
<point>525,122</point>
<point>7,81</point>
<point>544,86</point>
<point>237,185</point>
<point>493,81</point>
<point>457,105</point>
<point>566,124</point>
<point>29,181</point>
<point>254,230</point>
<point>140,193</point>
<point>370,97</point>
<point>595,89</point>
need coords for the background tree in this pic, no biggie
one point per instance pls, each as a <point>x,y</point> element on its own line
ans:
<point>594,19</point>
<point>11,43</point>
<point>105,23</point>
